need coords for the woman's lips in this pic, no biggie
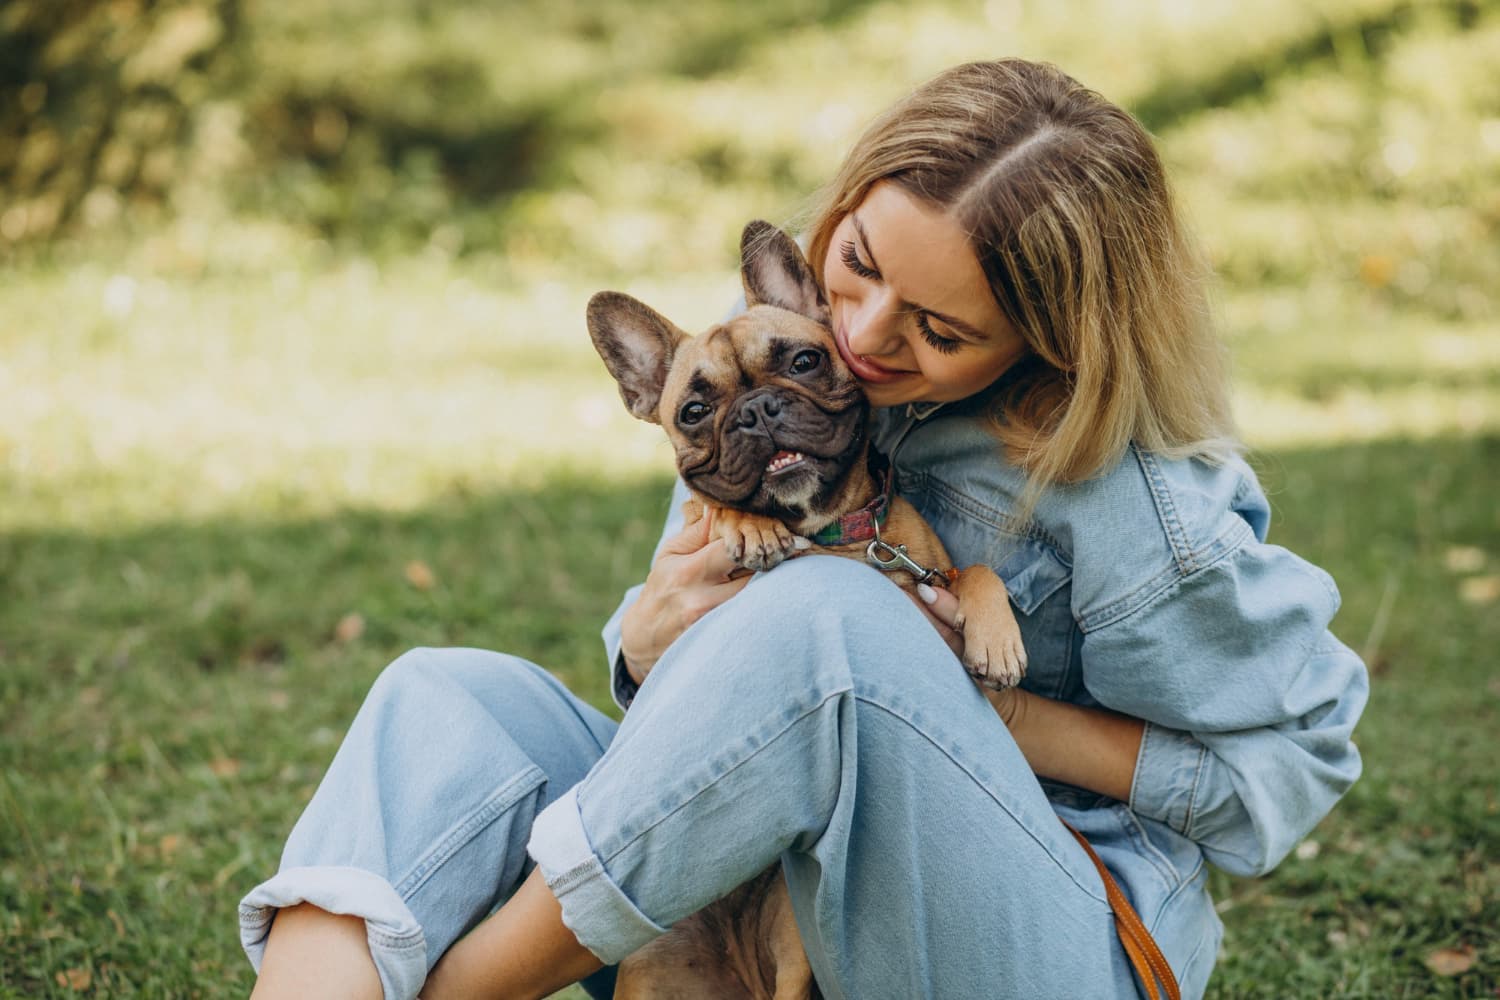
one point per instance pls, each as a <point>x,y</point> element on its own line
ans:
<point>864,369</point>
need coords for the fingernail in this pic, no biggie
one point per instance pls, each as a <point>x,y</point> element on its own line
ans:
<point>801,544</point>
<point>926,593</point>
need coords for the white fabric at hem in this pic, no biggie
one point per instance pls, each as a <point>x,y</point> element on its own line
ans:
<point>396,942</point>
<point>594,908</point>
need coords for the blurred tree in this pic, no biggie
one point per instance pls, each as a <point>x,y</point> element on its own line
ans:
<point>95,102</point>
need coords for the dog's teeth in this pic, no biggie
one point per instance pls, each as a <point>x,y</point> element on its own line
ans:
<point>789,458</point>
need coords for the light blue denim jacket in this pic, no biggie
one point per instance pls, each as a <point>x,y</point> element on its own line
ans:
<point>1151,590</point>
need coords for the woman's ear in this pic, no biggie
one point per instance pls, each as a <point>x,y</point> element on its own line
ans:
<point>775,273</point>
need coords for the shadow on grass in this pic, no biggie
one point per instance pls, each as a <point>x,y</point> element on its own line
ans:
<point>170,696</point>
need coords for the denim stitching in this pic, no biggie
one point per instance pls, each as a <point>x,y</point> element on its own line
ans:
<point>1066,673</point>
<point>1226,545</point>
<point>1192,807</point>
<point>1166,510</point>
<point>668,814</point>
<point>996,519</point>
<point>502,798</point>
<point>1100,897</point>
<point>1167,903</point>
<point>384,938</point>
<point>578,873</point>
<point>914,728</point>
<point>1130,825</point>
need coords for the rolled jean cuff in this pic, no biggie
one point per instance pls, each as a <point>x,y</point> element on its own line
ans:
<point>395,938</point>
<point>594,908</point>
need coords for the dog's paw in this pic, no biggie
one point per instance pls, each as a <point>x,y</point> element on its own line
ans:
<point>994,656</point>
<point>754,542</point>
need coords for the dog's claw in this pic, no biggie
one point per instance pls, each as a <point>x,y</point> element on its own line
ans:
<point>996,662</point>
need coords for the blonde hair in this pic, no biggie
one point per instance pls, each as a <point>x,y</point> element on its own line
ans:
<point>1069,213</point>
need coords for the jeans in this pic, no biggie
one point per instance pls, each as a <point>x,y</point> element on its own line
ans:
<point>816,718</point>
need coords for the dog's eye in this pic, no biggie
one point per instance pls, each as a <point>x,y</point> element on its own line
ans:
<point>806,361</point>
<point>692,413</point>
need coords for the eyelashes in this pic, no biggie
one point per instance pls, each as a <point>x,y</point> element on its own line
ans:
<point>939,343</point>
<point>852,262</point>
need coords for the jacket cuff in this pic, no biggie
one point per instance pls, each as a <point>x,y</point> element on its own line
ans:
<point>1168,771</point>
<point>621,687</point>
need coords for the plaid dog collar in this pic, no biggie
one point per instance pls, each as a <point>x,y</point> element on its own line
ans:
<point>864,524</point>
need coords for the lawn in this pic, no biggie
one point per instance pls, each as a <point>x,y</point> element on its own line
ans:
<point>254,447</point>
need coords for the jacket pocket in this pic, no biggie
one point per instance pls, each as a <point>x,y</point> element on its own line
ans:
<point>1031,570</point>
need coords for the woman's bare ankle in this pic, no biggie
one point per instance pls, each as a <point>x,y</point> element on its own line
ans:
<point>312,952</point>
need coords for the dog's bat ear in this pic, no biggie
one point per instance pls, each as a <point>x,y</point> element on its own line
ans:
<point>637,344</point>
<point>776,273</point>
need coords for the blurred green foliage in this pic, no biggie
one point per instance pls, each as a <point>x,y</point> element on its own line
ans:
<point>634,136</point>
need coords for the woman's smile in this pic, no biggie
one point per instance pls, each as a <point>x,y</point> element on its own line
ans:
<point>865,369</point>
<point>912,311</point>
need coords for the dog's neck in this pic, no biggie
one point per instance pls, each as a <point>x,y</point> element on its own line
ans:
<point>859,489</point>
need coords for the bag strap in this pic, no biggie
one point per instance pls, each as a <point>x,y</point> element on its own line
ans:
<point>1150,964</point>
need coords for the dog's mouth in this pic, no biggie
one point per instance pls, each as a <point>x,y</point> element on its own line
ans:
<point>784,460</point>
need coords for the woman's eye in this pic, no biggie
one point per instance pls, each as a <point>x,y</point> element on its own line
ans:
<point>938,342</point>
<point>692,413</point>
<point>851,260</point>
<point>806,361</point>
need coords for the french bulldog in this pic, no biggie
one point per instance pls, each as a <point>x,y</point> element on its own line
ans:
<point>770,430</point>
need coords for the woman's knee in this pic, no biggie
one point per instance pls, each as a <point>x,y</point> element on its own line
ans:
<point>427,674</point>
<point>825,593</point>
<point>816,622</point>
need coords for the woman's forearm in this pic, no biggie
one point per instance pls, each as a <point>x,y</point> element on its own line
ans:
<point>1090,748</point>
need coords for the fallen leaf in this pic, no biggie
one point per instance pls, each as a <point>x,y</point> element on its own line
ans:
<point>352,625</point>
<point>1450,961</point>
<point>75,979</point>
<point>279,700</point>
<point>1480,589</point>
<point>1377,270</point>
<point>224,767</point>
<point>1464,559</point>
<point>420,575</point>
<point>118,921</point>
<point>169,844</point>
<point>263,650</point>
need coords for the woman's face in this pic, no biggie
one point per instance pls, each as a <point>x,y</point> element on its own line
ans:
<point>912,313</point>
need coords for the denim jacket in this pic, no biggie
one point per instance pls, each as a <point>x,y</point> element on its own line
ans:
<point>1151,590</point>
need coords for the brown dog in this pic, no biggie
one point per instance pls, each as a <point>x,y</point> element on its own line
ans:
<point>770,430</point>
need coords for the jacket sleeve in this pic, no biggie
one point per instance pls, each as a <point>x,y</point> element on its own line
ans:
<point>1249,702</point>
<point>621,687</point>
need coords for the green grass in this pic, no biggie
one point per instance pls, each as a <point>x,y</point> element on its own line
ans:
<point>224,432</point>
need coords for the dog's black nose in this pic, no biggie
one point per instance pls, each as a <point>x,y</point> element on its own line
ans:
<point>759,408</point>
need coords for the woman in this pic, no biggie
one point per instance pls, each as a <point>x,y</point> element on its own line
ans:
<point>1008,277</point>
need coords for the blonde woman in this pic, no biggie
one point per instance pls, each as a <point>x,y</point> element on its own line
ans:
<point>1010,280</point>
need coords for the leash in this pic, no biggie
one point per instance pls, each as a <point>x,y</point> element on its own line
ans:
<point>1150,964</point>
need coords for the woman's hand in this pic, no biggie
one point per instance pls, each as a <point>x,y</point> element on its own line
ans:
<point>941,608</point>
<point>690,578</point>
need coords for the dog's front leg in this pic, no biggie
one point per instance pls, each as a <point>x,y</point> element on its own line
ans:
<point>993,652</point>
<point>753,541</point>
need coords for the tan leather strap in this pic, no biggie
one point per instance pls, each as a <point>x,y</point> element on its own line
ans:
<point>1150,964</point>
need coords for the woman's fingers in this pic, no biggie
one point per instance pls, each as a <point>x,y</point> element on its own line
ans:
<point>941,609</point>
<point>942,603</point>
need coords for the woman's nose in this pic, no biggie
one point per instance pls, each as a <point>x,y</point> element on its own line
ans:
<point>873,329</point>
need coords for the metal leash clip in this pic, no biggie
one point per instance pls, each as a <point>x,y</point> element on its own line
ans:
<point>887,557</point>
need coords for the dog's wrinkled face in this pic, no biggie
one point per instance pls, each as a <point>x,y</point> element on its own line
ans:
<point>764,415</point>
